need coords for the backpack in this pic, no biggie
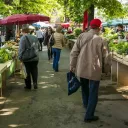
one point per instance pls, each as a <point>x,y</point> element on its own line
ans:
<point>30,52</point>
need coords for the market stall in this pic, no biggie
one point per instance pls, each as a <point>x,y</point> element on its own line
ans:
<point>119,60</point>
<point>72,37</point>
<point>8,62</point>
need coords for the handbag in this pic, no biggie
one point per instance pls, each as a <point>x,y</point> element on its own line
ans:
<point>29,53</point>
<point>73,83</point>
<point>52,40</point>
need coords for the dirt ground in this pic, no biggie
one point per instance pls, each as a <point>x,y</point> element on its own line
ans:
<point>51,107</point>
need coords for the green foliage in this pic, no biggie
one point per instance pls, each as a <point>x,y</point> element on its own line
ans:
<point>109,34</point>
<point>46,7</point>
<point>5,8</point>
<point>70,36</point>
<point>125,10</point>
<point>121,48</point>
<point>77,31</point>
<point>76,8</point>
<point>5,55</point>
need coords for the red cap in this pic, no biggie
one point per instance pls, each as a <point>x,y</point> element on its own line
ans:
<point>95,23</point>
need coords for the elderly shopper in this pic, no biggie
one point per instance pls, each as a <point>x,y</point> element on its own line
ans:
<point>32,57</point>
<point>57,47</point>
<point>86,59</point>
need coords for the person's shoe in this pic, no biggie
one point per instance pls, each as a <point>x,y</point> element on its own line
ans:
<point>35,86</point>
<point>85,106</point>
<point>27,88</point>
<point>95,118</point>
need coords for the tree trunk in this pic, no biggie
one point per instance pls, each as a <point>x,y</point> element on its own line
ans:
<point>91,14</point>
<point>66,19</point>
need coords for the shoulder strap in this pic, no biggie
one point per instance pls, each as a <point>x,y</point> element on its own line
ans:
<point>86,42</point>
<point>28,41</point>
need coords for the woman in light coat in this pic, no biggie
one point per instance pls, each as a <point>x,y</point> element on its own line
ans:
<point>57,47</point>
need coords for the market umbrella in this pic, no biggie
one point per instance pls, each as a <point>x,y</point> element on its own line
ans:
<point>105,24</point>
<point>23,19</point>
<point>65,25</point>
<point>41,24</point>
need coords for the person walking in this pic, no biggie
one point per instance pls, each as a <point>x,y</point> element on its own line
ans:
<point>57,47</point>
<point>49,32</point>
<point>31,64</point>
<point>40,36</point>
<point>86,59</point>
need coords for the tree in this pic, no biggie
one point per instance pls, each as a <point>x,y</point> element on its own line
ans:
<point>4,8</point>
<point>8,7</point>
<point>76,8</point>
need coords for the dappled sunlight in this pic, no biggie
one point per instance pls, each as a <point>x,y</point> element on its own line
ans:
<point>46,77</point>
<point>17,125</point>
<point>51,86</point>
<point>51,74</point>
<point>9,111</point>
<point>125,96</point>
<point>122,89</point>
<point>19,100</point>
<point>2,100</point>
<point>49,71</point>
<point>7,101</point>
<point>19,83</point>
<point>43,83</point>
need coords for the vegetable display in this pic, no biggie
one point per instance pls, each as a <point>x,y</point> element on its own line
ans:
<point>120,48</point>
<point>70,36</point>
<point>109,34</point>
<point>7,52</point>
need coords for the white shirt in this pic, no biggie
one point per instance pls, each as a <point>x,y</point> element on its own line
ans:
<point>39,34</point>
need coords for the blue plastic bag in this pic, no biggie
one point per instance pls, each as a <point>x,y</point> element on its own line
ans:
<point>73,83</point>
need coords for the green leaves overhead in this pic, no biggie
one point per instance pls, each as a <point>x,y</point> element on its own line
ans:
<point>112,8</point>
<point>75,8</point>
<point>28,6</point>
<point>72,9</point>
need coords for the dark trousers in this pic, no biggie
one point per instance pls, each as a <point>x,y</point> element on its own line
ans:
<point>50,53</point>
<point>32,70</point>
<point>89,96</point>
<point>56,54</point>
<point>41,43</point>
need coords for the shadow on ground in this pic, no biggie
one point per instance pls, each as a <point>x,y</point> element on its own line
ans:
<point>51,107</point>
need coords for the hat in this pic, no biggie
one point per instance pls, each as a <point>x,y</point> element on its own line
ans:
<point>95,23</point>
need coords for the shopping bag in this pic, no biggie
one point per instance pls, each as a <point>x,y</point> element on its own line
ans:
<point>73,83</point>
<point>23,73</point>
